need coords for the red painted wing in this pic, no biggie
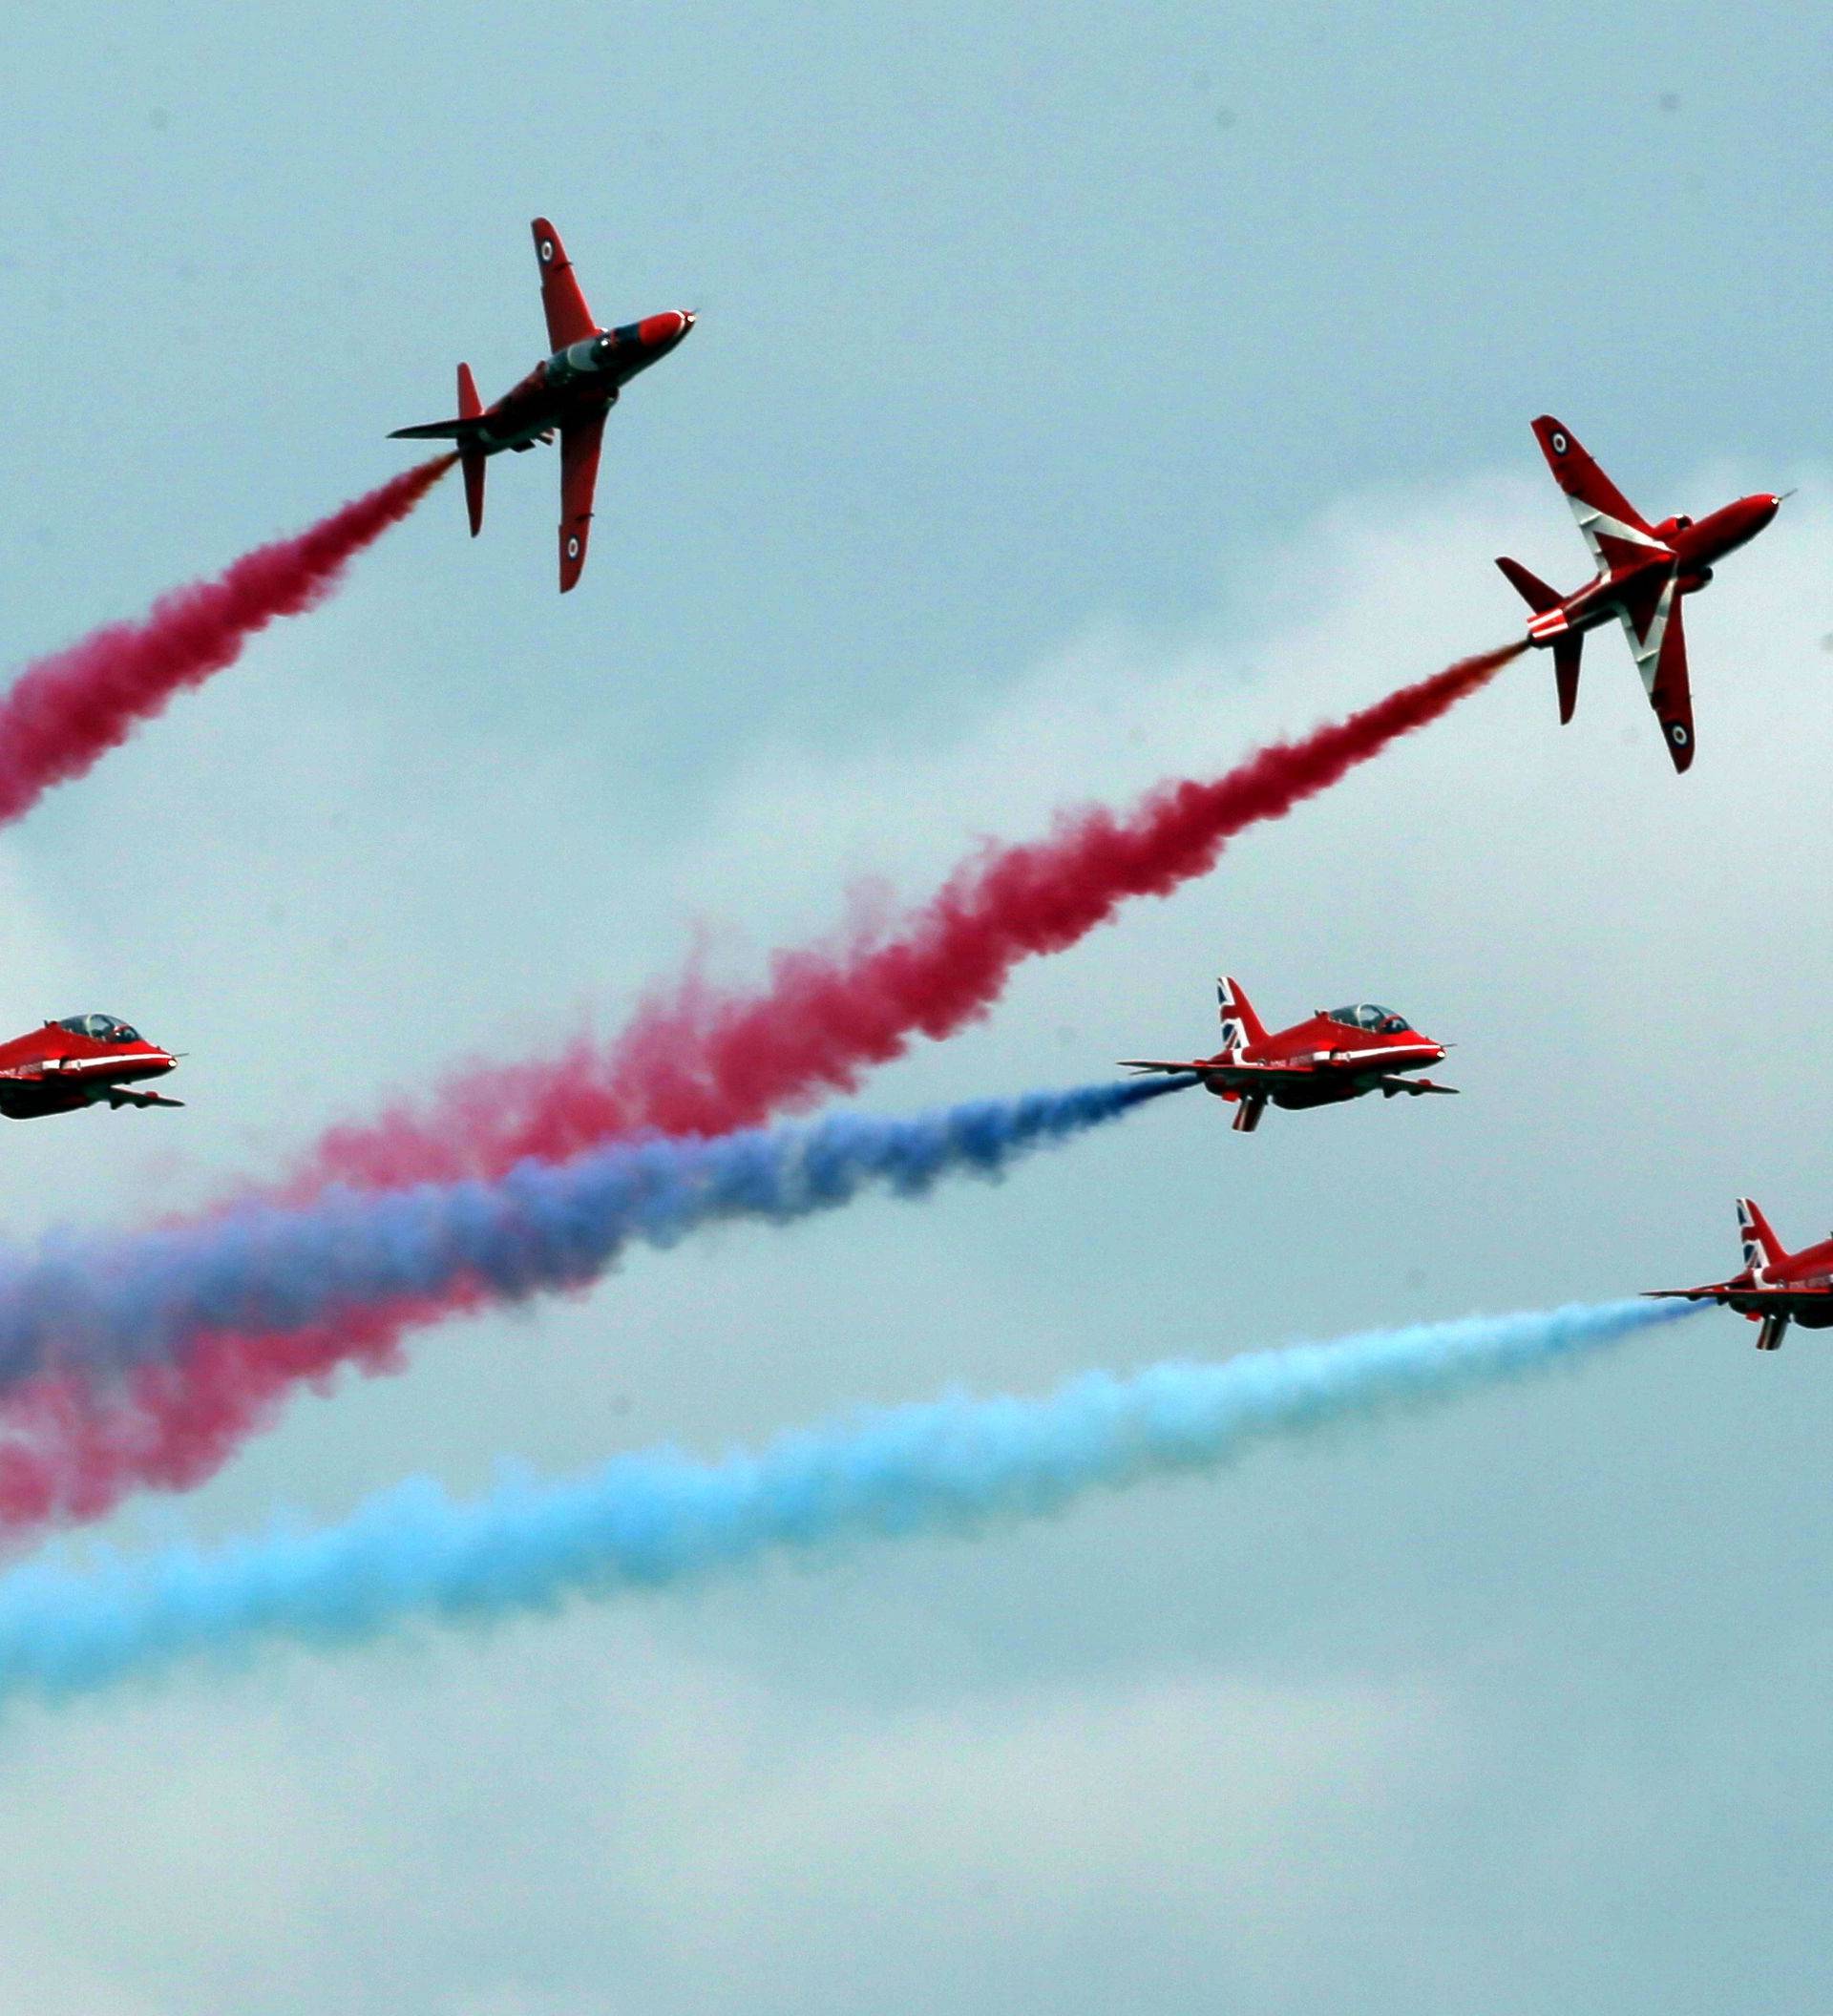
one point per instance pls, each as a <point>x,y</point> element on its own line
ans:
<point>1658,639</point>
<point>1580,478</point>
<point>580,443</point>
<point>1652,621</point>
<point>568,318</point>
<point>1671,694</point>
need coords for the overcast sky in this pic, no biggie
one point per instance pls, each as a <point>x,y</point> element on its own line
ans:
<point>1079,394</point>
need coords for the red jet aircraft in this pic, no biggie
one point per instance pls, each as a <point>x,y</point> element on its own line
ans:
<point>571,391</point>
<point>83,1061</point>
<point>1643,570</point>
<point>1336,1055</point>
<point>1777,1287</point>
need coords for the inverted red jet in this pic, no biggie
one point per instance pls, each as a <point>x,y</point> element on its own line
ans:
<point>1643,570</point>
<point>568,393</point>
<point>1777,1287</point>
<point>83,1061</point>
<point>1337,1054</point>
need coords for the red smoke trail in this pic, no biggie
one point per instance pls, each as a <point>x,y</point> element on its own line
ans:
<point>703,1062</point>
<point>70,708</point>
<point>696,1062</point>
<point>69,1455</point>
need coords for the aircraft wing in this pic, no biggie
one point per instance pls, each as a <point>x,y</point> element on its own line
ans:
<point>1415,1085</point>
<point>1615,530</point>
<point>568,318</point>
<point>579,441</point>
<point>119,1096</point>
<point>1652,621</point>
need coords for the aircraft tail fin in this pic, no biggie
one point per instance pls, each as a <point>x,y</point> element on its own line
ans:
<point>1761,1246</point>
<point>472,460</point>
<point>1240,1024</point>
<point>1567,646</point>
<point>1531,588</point>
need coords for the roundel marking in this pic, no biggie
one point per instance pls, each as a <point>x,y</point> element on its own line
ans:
<point>1678,734</point>
<point>1560,442</point>
<point>547,249</point>
<point>572,554</point>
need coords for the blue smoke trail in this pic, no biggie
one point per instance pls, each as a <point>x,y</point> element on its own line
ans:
<point>651,1520</point>
<point>102,1305</point>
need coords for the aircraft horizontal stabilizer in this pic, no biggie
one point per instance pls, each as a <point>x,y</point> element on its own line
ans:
<point>471,407</point>
<point>1532,589</point>
<point>460,430</point>
<point>1747,1297</point>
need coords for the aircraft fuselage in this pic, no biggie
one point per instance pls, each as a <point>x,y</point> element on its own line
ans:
<point>1341,1074</point>
<point>1691,548</point>
<point>580,380</point>
<point>64,1067</point>
<point>1765,1290</point>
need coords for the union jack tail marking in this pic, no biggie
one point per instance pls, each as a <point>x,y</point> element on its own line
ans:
<point>1240,1024</point>
<point>1761,1244</point>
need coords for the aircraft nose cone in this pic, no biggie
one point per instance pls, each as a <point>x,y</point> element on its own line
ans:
<point>661,332</point>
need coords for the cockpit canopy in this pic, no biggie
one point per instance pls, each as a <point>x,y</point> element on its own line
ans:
<point>581,360</point>
<point>103,1028</point>
<point>1370,1015</point>
<point>587,354</point>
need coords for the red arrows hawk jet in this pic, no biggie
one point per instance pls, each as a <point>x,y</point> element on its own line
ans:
<point>1777,1287</point>
<point>1338,1054</point>
<point>1643,570</point>
<point>569,391</point>
<point>83,1061</point>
